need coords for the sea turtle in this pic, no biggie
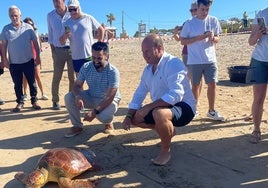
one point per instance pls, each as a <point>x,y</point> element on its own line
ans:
<point>60,165</point>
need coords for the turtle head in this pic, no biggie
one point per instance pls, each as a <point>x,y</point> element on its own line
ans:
<point>35,179</point>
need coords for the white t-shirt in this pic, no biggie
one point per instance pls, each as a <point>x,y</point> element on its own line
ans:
<point>201,52</point>
<point>261,49</point>
<point>82,35</point>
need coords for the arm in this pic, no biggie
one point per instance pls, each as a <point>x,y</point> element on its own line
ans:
<point>176,33</point>
<point>64,37</point>
<point>37,50</point>
<point>100,33</point>
<point>4,54</point>
<point>255,35</point>
<point>187,41</point>
<point>76,92</point>
<point>110,94</point>
<point>110,34</point>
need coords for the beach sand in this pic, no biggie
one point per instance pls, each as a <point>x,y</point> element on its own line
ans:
<point>205,153</point>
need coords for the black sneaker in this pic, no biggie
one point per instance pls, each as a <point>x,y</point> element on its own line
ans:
<point>56,106</point>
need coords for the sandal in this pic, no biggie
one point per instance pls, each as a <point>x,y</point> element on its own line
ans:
<point>17,108</point>
<point>109,128</point>
<point>255,137</point>
<point>249,118</point>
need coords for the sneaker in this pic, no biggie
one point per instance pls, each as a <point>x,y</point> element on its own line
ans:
<point>2,102</point>
<point>215,116</point>
<point>73,132</point>
<point>36,106</point>
<point>18,108</point>
<point>56,106</point>
<point>44,97</point>
<point>24,97</point>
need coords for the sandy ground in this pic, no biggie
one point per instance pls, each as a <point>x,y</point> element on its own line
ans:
<point>205,154</point>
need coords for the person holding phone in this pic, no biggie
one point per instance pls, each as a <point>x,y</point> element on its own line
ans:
<point>258,72</point>
<point>79,30</point>
<point>200,34</point>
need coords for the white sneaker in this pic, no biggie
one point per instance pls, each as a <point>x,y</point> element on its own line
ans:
<point>215,116</point>
<point>44,97</point>
<point>24,97</point>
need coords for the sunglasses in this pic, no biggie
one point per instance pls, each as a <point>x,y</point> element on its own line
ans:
<point>72,9</point>
<point>193,10</point>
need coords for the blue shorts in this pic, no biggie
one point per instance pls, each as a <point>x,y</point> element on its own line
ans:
<point>258,72</point>
<point>182,114</point>
<point>77,64</point>
<point>210,72</point>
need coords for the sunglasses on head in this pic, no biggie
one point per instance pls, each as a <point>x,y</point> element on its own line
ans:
<point>72,9</point>
<point>193,10</point>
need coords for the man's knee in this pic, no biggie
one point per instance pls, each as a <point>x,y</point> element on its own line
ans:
<point>161,114</point>
<point>68,98</point>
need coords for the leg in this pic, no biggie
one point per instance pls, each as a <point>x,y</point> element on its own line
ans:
<point>211,95</point>
<point>70,70</point>
<point>16,75</point>
<point>195,90</point>
<point>107,116</point>
<point>259,93</point>
<point>24,85</point>
<point>165,130</point>
<point>74,114</point>
<point>72,109</point>
<point>58,66</point>
<point>39,82</point>
<point>196,72</point>
<point>38,78</point>
<point>29,72</point>
<point>199,91</point>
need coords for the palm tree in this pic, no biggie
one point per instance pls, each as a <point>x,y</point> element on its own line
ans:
<point>110,18</point>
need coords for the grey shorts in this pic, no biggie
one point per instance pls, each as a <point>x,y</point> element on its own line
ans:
<point>210,72</point>
<point>258,72</point>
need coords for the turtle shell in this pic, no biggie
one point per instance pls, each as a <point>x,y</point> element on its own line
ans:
<point>64,162</point>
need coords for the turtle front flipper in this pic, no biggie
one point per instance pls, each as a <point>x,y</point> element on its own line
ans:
<point>22,177</point>
<point>77,183</point>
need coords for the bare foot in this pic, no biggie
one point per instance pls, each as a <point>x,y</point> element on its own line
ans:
<point>162,158</point>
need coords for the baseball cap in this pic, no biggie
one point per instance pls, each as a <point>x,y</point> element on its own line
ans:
<point>73,3</point>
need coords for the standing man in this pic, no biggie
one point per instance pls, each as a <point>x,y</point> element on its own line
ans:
<point>17,39</point>
<point>79,30</point>
<point>102,96</point>
<point>61,53</point>
<point>200,34</point>
<point>173,103</point>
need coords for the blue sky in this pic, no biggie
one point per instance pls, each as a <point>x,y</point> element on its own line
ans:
<point>154,13</point>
